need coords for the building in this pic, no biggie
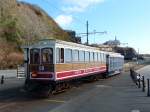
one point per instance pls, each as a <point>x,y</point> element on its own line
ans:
<point>105,48</point>
<point>113,42</point>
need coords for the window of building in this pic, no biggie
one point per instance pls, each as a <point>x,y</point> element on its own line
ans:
<point>68,55</point>
<point>35,56</point>
<point>47,55</point>
<point>59,55</point>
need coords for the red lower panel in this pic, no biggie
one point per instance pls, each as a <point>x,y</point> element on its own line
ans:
<point>77,73</point>
<point>42,75</point>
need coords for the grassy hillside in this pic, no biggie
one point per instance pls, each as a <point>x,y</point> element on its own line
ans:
<point>21,22</point>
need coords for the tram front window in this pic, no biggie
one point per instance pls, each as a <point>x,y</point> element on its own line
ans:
<point>35,56</point>
<point>47,55</point>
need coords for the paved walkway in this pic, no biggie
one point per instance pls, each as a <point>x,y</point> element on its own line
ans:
<point>145,71</point>
<point>8,73</point>
<point>11,83</point>
<point>117,94</point>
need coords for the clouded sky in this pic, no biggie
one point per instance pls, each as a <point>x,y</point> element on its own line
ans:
<point>129,20</point>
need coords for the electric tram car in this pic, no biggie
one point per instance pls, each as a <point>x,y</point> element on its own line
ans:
<point>53,63</point>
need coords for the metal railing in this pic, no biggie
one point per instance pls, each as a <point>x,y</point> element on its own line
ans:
<point>139,80</point>
<point>20,72</point>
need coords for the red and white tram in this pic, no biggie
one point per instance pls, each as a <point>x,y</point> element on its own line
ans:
<point>50,61</point>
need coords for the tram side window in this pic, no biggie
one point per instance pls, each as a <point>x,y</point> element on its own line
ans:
<point>99,58</point>
<point>35,56</point>
<point>87,56</point>
<point>75,55</point>
<point>47,55</point>
<point>102,57</point>
<point>95,56</point>
<point>68,55</point>
<point>81,56</point>
<point>91,56</point>
<point>111,62</point>
<point>60,55</point>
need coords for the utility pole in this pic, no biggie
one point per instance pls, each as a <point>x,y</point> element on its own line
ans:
<point>90,33</point>
<point>87,33</point>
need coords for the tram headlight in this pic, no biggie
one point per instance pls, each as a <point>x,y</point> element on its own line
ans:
<point>34,75</point>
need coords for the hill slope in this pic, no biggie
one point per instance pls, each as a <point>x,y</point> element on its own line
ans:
<point>21,22</point>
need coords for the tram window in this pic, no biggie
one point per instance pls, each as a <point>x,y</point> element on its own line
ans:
<point>87,56</point>
<point>99,59</point>
<point>95,56</point>
<point>81,56</point>
<point>47,55</point>
<point>57,55</point>
<point>91,56</point>
<point>102,58</point>
<point>75,54</point>
<point>60,55</point>
<point>68,55</point>
<point>35,56</point>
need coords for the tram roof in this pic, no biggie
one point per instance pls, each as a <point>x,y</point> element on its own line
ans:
<point>53,42</point>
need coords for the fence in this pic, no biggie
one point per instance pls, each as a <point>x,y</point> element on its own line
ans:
<point>139,80</point>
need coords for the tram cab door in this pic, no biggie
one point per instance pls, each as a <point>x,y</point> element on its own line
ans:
<point>41,63</point>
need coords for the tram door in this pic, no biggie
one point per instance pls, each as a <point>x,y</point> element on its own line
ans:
<point>41,63</point>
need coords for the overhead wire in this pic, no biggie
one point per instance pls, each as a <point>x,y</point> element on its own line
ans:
<point>75,18</point>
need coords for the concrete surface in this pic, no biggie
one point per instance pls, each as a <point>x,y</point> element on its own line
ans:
<point>115,94</point>
<point>118,95</point>
<point>145,71</point>
<point>8,73</point>
<point>11,83</point>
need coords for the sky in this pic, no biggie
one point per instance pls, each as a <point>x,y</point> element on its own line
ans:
<point>128,20</point>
